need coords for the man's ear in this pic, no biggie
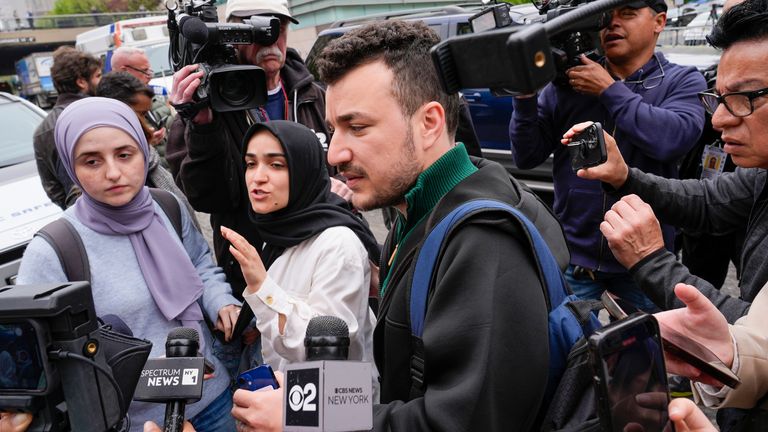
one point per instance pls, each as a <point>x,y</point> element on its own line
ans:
<point>82,84</point>
<point>660,21</point>
<point>431,122</point>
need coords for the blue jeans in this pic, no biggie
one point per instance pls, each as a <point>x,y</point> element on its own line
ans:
<point>620,284</point>
<point>217,416</point>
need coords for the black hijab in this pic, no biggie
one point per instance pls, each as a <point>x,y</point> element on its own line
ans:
<point>312,207</point>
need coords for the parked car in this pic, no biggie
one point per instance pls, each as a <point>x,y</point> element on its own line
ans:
<point>26,208</point>
<point>697,30</point>
<point>490,114</point>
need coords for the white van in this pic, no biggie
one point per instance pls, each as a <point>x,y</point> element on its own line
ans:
<point>147,33</point>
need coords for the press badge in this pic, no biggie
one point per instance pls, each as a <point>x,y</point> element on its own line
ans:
<point>712,161</point>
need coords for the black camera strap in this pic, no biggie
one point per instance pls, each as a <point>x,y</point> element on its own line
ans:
<point>189,110</point>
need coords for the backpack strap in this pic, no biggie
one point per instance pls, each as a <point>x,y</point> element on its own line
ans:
<point>68,245</point>
<point>425,268</point>
<point>170,206</point>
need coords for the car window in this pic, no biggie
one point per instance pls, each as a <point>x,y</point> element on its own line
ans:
<point>158,60</point>
<point>463,28</point>
<point>317,48</point>
<point>18,123</point>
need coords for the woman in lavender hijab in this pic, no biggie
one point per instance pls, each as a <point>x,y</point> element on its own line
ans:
<point>141,270</point>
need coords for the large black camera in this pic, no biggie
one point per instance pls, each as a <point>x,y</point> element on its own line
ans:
<point>524,58</point>
<point>58,363</point>
<point>197,37</point>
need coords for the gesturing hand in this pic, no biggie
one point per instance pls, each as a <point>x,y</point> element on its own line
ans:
<point>251,265</point>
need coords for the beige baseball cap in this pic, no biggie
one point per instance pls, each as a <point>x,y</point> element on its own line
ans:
<point>247,8</point>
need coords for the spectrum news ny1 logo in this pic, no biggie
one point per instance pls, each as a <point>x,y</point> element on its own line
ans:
<point>173,376</point>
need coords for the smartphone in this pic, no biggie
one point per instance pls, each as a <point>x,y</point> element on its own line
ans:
<point>630,376</point>
<point>256,378</point>
<point>680,346</point>
<point>587,149</point>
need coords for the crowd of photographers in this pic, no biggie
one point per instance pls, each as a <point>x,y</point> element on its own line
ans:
<point>291,243</point>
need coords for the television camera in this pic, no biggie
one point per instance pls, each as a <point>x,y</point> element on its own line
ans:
<point>197,38</point>
<point>522,59</point>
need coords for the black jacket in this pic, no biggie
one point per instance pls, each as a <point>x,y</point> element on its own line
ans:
<point>485,333</point>
<point>56,182</point>
<point>207,161</point>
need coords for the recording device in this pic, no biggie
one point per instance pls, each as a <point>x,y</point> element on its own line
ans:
<point>587,149</point>
<point>679,345</point>
<point>58,363</point>
<point>257,378</point>
<point>327,392</point>
<point>197,37</point>
<point>176,379</point>
<point>630,376</point>
<point>521,59</point>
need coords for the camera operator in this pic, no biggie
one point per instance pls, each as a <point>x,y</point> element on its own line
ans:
<point>636,94</point>
<point>718,206</point>
<point>204,152</point>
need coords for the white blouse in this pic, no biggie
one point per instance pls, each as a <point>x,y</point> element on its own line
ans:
<point>328,274</point>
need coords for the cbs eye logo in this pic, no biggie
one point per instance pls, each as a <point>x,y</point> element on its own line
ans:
<point>303,398</point>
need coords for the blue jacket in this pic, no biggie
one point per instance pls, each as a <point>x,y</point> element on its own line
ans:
<point>653,128</point>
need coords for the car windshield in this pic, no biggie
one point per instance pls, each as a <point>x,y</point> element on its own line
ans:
<point>17,123</point>
<point>158,60</point>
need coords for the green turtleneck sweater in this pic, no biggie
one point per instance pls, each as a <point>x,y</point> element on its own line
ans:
<point>431,185</point>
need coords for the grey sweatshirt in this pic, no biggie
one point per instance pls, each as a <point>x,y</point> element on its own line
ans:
<point>119,289</point>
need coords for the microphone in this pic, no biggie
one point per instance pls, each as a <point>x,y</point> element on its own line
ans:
<point>328,392</point>
<point>175,380</point>
<point>193,29</point>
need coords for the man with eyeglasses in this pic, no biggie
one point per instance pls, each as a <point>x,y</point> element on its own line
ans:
<point>638,95</point>
<point>739,108</point>
<point>160,116</point>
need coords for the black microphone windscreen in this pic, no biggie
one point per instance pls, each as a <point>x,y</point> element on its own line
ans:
<point>327,325</point>
<point>194,29</point>
<point>117,324</point>
<point>183,333</point>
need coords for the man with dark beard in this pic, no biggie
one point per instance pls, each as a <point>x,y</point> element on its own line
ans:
<point>485,340</point>
<point>75,75</point>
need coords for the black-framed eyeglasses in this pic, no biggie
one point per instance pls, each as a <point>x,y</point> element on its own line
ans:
<point>740,104</point>
<point>148,72</point>
<point>651,82</point>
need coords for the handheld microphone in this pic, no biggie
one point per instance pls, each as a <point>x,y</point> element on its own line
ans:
<point>176,379</point>
<point>327,392</point>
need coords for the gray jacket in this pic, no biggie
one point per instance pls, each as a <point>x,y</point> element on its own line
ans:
<point>729,202</point>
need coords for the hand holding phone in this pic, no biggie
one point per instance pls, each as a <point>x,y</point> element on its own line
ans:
<point>680,346</point>
<point>257,378</point>
<point>587,149</point>
<point>630,377</point>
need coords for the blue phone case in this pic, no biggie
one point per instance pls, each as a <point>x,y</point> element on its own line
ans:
<point>256,378</point>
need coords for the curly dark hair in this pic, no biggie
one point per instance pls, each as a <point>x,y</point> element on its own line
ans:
<point>745,21</point>
<point>69,65</point>
<point>404,48</point>
<point>123,87</point>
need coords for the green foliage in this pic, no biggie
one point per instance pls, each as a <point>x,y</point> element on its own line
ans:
<point>516,2</point>
<point>65,7</point>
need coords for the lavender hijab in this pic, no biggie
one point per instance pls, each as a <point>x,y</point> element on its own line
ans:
<point>170,276</point>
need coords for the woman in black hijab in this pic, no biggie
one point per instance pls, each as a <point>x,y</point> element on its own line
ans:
<point>317,253</point>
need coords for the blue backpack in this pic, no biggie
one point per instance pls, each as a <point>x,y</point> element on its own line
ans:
<point>570,319</point>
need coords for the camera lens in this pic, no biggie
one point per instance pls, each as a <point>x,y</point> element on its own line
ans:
<point>237,89</point>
